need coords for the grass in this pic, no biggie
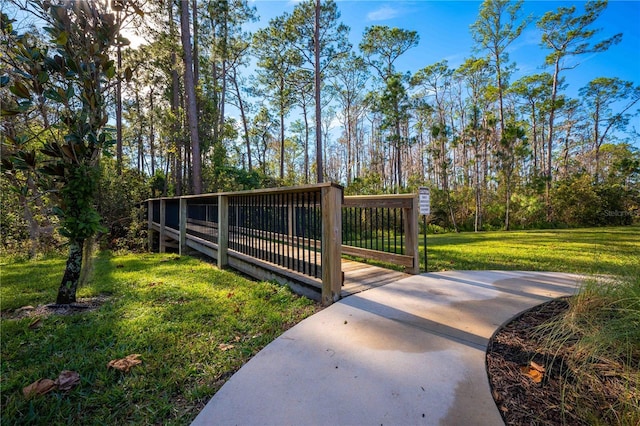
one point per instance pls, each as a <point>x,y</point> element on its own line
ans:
<point>179,312</point>
<point>176,312</point>
<point>613,251</point>
<point>597,345</point>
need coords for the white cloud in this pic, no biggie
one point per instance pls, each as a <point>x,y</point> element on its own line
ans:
<point>383,13</point>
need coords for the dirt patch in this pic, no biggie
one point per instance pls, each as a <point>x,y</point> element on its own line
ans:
<point>87,304</point>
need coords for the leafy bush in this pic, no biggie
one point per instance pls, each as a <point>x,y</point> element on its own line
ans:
<point>119,203</point>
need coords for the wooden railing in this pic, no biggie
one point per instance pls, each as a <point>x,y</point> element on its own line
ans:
<point>383,228</point>
<point>292,235</point>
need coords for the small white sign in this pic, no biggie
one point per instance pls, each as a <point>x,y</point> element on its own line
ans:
<point>424,200</point>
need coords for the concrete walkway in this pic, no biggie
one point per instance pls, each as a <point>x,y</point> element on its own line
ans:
<point>408,353</point>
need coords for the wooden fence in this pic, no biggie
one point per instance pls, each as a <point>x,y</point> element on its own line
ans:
<point>292,235</point>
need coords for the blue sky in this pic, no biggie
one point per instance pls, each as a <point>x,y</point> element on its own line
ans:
<point>444,32</point>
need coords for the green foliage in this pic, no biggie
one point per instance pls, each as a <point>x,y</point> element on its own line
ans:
<point>15,232</point>
<point>117,201</point>
<point>383,45</point>
<point>68,73</point>
<point>175,312</point>
<point>581,202</point>
<point>79,219</point>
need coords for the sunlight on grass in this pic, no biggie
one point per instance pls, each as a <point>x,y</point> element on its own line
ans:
<point>174,311</point>
<point>588,251</point>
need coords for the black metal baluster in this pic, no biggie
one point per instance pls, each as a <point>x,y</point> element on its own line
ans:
<point>402,234</point>
<point>254,226</point>
<point>287,202</point>
<point>317,209</point>
<point>261,226</point>
<point>395,229</point>
<point>296,230</point>
<point>271,229</point>
<point>303,229</point>
<point>359,224</point>
<point>377,228</point>
<point>384,228</point>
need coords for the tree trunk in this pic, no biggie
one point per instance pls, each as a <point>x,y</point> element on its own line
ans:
<point>175,107</point>
<point>507,223</point>
<point>243,116</point>
<point>119,108</point>
<point>552,112</point>
<point>71,277</point>
<point>152,136</point>
<point>196,44</point>
<point>317,82</point>
<point>282,106</point>
<point>190,94</point>
<point>306,143</point>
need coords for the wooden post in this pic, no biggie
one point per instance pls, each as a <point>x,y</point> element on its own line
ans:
<point>150,230</point>
<point>411,236</point>
<point>331,199</point>
<point>163,218</point>
<point>182,244</point>
<point>223,230</point>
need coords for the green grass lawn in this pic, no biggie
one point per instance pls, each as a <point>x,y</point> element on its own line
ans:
<point>195,325</point>
<point>178,313</point>
<point>587,251</point>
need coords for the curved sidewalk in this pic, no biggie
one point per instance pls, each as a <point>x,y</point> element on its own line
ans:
<point>408,353</point>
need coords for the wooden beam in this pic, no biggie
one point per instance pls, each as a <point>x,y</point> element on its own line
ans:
<point>331,199</point>
<point>411,236</point>
<point>383,201</point>
<point>182,226</point>
<point>223,230</point>
<point>163,219</point>
<point>150,230</point>
<point>382,256</point>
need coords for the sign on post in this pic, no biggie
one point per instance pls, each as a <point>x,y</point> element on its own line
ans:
<point>424,200</point>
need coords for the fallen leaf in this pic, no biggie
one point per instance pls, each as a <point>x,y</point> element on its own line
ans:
<point>537,367</point>
<point>125,364</point>
<point>39,387</point>
<point>67,380</point>
<point>24,309</point>
<point>35,324</point>
<point>532,373</point>
<point>225,346</point>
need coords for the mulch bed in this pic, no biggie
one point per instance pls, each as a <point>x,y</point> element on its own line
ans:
<point>519,398</point>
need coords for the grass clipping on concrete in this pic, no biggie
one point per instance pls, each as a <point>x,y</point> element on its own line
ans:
<point>191,324</point>
<point>597,344</point>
